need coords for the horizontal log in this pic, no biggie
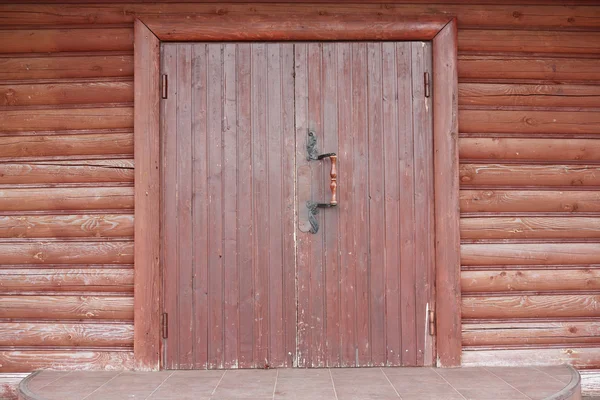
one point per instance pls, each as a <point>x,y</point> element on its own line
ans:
<point>469,15</point>
<point>528,175</point>
<point>497,121</point>
<point>86,198</point>
<point>529,227</point>
<point>492,95</point>
<point>546,306</point>
<point>66,145</point>
<point>84,66</point>
<point>503,68</point>
<point>27,361</point>
<point>64,40</point>
<point>543,149</point>
<point>66,119</point>
<point>67,253</point>
<point>528,41</point>
<point>571,201</point>
<point>530,253</point>
<point>579,357</point>
<point>80,171</point>
<point>66,226</point>
<point>64,279</point>
<point>590,381</point>
<point>530,333</point>
<point>66,93</point>
<point>66,307</point>
<point>534,280</point>
<point>66,334</point>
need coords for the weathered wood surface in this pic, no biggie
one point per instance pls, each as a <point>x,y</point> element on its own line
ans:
<point>66,307</point>
<point>86,360</point>
<point>530,333</point>
<point>66,279</point>
<point>538,280</point>
<point>529,201</point>
<point>24,334</point>
<point>580,357</point>
<point>40,252</point>
<point>530,228</point>
<point>530,254</point>
<point>530,306</point>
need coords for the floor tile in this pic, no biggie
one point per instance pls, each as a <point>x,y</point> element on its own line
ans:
<point>304,384</point>
<point>246,384</point>
<point>130,385</point>
<point>77,384</point>
<point>188,385</point>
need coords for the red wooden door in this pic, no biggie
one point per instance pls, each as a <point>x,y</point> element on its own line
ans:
<point>245,283</point>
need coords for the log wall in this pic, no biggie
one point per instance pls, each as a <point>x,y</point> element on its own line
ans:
<point>529,82</point>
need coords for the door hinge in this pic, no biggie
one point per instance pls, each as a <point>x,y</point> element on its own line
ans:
<point>164,86</point>
<point>427,81</point>
<point>431,322</point>
<point>165,325</point>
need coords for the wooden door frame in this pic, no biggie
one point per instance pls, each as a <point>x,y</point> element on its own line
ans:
<point>294,25</point>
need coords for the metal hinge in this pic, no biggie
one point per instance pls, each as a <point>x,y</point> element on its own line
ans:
<point>432,322</point>
<point>427,81</point>
<point>164,86</point>
<point>165,325</point>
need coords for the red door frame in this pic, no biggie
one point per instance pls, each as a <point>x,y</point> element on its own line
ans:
<point>295,24</point>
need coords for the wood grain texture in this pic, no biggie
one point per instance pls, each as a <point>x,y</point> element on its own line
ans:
<point>579,357</point>
<point>26,361</point>
<point>80,171</point>
<point>542,306</point>
<point>61,40</point>
<point>92,198</point>
<point>66,307</point>
<point>66,252</point>
<point>147,200</point>
<point>63,66</point>
<point>530,333</point>
<point>66,334</point>
<point>63,93</point>
<point>529,201</point>
<point>66,279</point>
<point>507,280</point>
<point>530,254</point>
<point>529,228</point>
<point>66,145</point>
<point>516,175</point>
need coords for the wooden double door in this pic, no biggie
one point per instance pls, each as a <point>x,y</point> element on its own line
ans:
<point>246,283</point>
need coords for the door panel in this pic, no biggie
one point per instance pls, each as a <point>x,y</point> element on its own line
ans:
<point>228,199</point>
<point>364,277</point>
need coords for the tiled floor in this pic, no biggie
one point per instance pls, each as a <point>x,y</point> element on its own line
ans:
<point>311,384</point>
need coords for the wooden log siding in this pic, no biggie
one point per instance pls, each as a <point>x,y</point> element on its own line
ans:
<point>529,148</point>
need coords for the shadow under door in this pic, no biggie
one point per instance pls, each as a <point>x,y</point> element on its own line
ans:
<point>249,282</point>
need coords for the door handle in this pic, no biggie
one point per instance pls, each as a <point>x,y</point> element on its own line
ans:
<point>313,207</point>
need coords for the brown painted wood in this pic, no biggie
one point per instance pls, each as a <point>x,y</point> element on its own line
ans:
<point>66,334</point>
<point>482,94</point>
<point>81,171</point>
<point>529,201</point>
<point>579,357</point>
<point>530,333</point>
<point>69,280</point>
<point>555,306</point>
<point>66,307</point>
<point>67,252</point>
<point>67,119</point>
<point>66,145</point>
<point>536,280</point>
<point>86,65</point>
<point>61,40</point>
<point>546,254</point>
<point>445,165</point>
<point>63,93</point>
<point>529,228</point>
<point>26,361</point>
<point>515,175</point>
<point>93,198</point>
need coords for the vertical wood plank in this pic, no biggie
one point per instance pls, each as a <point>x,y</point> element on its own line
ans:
<point>423,196</point>
<point>170,217</point>
<point>330,217</point>
<point>260,204</point>
<point>147,298</point>
<point>184,200</point>
<point>392,205</point>
<point>215,205</point>
<point>245,238</point>
<point>346,207</point>
<point>359,185</point>
<point>275,155</point>
<point>230,206</point>
<point>288,218</point>
<point>200,203</point>
<point>407,218</point>
<point>376,215</point>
